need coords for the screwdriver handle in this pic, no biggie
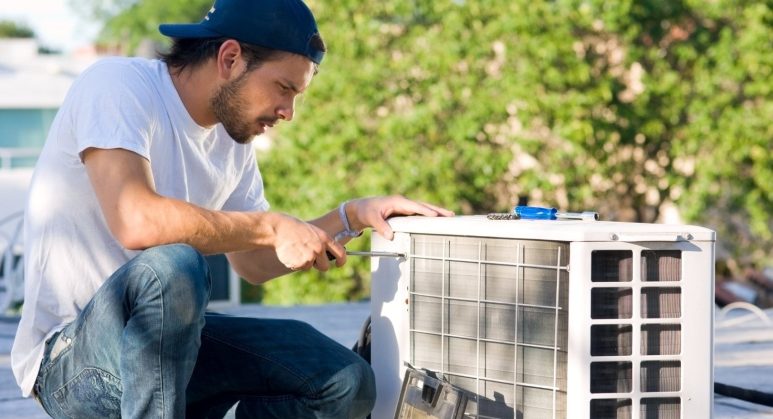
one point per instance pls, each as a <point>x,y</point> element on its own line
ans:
<point>525,212</point>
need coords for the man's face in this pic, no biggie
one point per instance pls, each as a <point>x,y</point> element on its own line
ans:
<point>253,101</point>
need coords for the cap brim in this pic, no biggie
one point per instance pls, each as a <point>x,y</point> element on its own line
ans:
<point>187,30</point>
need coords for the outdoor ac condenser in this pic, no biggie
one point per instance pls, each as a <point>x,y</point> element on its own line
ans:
<point>548,319</point>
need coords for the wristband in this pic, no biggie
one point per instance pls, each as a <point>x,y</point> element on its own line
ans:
<point>347,231</point>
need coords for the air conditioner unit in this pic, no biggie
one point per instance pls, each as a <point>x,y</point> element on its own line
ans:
<point>548,319</point>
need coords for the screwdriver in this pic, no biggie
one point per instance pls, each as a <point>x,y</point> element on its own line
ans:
<point>370,254</point>
<point>540,213</point>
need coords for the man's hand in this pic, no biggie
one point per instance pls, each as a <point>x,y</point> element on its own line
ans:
<point>301,246</point>
<point>297,245</point>
<point>373,212</point>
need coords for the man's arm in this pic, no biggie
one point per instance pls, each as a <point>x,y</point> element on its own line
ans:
<point>140,218</point>
<point>259,266</point>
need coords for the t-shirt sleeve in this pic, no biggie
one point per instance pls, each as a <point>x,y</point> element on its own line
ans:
<point>115,109</point>
<point>248,194</point>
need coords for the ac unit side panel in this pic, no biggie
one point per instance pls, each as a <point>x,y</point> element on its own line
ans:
<point>698,374</point>
<point>389,321</point>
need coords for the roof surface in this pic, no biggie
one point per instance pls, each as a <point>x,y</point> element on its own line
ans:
<point>743,352</point>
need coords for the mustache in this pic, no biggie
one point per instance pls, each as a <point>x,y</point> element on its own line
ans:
<point>268,121</point>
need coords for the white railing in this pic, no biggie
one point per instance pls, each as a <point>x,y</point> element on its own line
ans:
<point>11,261</point>
<point>8,155</point>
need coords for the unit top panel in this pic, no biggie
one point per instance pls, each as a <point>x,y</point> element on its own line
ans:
<point>553,230</point>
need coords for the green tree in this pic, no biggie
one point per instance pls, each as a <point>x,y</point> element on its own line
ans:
<point>623,107</point>
<point>575,104</point>
<point>128,22</point>
<point>10,29</point>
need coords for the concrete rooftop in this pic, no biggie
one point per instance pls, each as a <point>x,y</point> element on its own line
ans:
<point>743,352</point>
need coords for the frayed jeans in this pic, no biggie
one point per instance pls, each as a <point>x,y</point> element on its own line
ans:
<point>144,347</point>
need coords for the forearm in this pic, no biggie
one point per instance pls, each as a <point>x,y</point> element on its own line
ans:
<point>157,220</point>
<point>139,217</point>
<point>257,266</point>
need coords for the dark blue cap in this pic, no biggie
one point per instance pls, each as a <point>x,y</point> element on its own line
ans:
<point>285,25</point>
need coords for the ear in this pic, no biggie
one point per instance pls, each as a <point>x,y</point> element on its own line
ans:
<point>229,59</point>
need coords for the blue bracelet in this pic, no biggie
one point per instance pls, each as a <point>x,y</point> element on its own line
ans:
<point>347,231</point>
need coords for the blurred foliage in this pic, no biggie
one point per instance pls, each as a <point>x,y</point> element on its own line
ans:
<point>11,29</point>
<point>128,22</point>
<point>624,107</point>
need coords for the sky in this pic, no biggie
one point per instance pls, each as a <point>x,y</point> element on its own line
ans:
<point>54,22</point>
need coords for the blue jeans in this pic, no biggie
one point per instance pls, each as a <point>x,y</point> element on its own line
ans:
<point>144,347</point>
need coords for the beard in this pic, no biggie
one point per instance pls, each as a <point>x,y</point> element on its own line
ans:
<point>227,106</point>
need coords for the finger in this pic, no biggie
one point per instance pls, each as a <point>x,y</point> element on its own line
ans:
<point>383,228</point>
<point>296,265</point>
<point>337,252</point>
<point>321,263</point>
<point>439,210</point>
<point>421,208</point>
<point>304,267</point>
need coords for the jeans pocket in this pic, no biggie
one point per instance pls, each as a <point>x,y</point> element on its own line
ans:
<point>93,393</point>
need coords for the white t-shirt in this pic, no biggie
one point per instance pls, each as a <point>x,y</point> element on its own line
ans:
<point>127,103</point>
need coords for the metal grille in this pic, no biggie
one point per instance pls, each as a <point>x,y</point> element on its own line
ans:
<point>491,315</point>
<point>625,367</point>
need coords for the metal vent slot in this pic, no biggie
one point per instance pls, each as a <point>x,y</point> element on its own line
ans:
<point>535,403</point>
<point>610,340</point>
<point>491,315</point>
<point>499,283</point>
<point>499,322</point>
<point>462,319</point>
<point>426,315</point>
<point>462,280</point>
<point>537,326</point>
<point>536,367</point>
<point>458,359</point>
<point>538,287</point>
<point>661,408</point>
<point>660,376</point>
<point>611,266</point>
<point>427,277</point>
<point>425,351</point>
<point>611,377</point>
<point>611,303</point>
<point>610,409</point>
<point>661,265</point>
<point>661,339</point>
<point>498,362</point>
<point>661,303</point>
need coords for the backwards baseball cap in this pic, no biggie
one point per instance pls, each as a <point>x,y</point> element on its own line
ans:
<point>285,25</point>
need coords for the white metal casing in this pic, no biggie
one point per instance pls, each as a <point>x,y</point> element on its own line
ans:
<point>391,295</point>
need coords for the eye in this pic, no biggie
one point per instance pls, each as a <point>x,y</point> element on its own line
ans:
<point>284,88</point>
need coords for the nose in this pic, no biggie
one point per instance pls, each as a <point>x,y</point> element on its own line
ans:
<point>286,110</point>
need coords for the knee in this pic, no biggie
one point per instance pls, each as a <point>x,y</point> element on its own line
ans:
<point>182,272</point>
<point>365,398</point>
<point>357,385</point>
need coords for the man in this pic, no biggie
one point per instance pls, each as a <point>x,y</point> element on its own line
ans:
<point>147,166</point>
